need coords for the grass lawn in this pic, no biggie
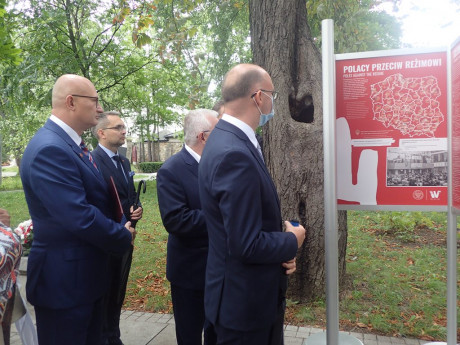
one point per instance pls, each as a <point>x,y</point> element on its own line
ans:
<point>10,183</point>
<point>396,277</point>
<point>148,289</point>
<point>396,271</point>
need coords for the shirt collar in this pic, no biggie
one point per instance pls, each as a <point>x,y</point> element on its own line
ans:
<point>66,128</point>
<point>243,126</point>
<point>109,152</point>
<point>193,153</point>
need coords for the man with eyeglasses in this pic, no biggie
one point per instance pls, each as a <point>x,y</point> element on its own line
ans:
<point>72,216</point>
<point>180,208</point>
<point>249,254</point>
<point>110,131</point>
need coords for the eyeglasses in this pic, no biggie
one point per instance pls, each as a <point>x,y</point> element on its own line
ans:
<point>273,92</point>
<point>119,128</point>
<point>94,98</point>
<point>203,133</point>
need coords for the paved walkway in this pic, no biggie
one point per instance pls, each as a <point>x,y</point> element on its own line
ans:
<point>139,328</point>
<point>9,173</point>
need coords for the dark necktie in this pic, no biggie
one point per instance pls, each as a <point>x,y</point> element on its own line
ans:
<point>259,149</point>
<point>119,168</point>
<point>87,154</point>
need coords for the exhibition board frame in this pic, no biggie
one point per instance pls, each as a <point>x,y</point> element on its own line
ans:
<point>331,180</point>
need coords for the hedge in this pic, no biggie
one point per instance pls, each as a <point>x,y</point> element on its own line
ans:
<point>150,167</point>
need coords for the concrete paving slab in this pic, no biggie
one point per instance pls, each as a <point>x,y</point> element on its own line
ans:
<point>140,332</point>
<point>166,337</point>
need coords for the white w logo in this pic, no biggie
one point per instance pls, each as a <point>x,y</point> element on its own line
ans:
<point>435,194</point>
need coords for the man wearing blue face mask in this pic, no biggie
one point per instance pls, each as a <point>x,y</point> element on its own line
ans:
<point>249,254</point>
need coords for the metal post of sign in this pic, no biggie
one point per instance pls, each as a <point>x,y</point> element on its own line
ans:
<point>333,337</point>
<point>330,198</point>
<point>452,279</point>
<point>451,227</point>
<point>451,223</point>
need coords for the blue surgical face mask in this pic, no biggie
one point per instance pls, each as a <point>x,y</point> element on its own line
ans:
<point>264,118</point>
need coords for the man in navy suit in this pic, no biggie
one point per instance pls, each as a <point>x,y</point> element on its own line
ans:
<point>180,208</point>
<point>249,254</point>
<point>71,211</point>
<point>111,132</point>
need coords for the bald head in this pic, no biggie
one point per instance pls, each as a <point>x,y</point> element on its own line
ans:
<point>69,84</point>
<point>75,101</point>
<point>244,92</point>
<point>242,80</point>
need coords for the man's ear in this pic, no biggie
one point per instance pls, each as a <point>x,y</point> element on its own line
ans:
<point>100,133</point>
<point>258,97</point>
<point>70,102</point>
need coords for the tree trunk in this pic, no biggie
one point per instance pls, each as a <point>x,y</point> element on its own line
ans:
<point>149,150</point>
<point>18,159</point>
<point>293,140</point>
<point>142,151</point>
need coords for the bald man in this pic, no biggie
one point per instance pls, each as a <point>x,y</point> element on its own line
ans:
<point>71,211</point>
<point>249,254</point>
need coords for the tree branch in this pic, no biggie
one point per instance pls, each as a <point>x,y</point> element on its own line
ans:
<point>73,40</point>
<point>99,53</point>
<point>119,80</point>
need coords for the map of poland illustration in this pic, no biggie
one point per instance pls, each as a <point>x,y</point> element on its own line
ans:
<point>408,104</point>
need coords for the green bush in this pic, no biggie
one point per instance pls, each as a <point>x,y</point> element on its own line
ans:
<point>150,167</point>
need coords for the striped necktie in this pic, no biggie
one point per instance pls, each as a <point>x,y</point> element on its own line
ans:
<point>87,154</point>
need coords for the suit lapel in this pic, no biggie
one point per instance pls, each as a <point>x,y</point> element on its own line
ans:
<point>126,167</point>
<point>129,179</point>
<point>111,169</point>
<point>77,149</point>
<point>256,153</point>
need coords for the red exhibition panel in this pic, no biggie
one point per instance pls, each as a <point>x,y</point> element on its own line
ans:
<point>392,129</point>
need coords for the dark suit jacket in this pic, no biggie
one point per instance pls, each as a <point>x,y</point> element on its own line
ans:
<point>126,191</point>
<point>180,208</point>
<point>73,232</point>
<point>245,281</point>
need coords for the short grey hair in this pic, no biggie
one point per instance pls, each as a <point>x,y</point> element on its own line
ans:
<point>103,121</point>
<point>195,122</point>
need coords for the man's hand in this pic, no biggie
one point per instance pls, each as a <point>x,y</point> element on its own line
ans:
<point>4,217</point>
<point>298,231</point>
<point>136,214</point>
<point>290,266</point>
<point>132,231</point>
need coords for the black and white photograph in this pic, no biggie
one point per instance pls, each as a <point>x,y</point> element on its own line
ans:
<point>416,168</point>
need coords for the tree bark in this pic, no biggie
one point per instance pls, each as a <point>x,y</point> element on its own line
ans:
<point>293,141</point>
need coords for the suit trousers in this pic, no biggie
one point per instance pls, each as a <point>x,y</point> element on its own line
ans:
<point>271,335</point>
<point>188,307</point>
<point>81,325</point>
<point>119,268</point>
